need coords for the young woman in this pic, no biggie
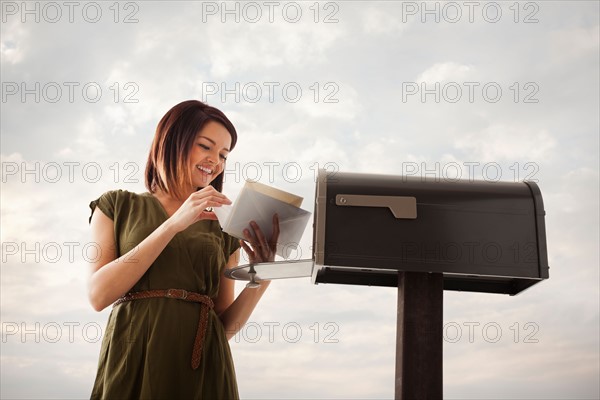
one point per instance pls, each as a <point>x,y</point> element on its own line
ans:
<point>161,265</point>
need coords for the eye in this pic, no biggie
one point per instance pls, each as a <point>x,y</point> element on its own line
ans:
<point>223,157</point>
<point>205,147</point>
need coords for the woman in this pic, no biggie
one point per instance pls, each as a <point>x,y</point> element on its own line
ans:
<point>162,260</point>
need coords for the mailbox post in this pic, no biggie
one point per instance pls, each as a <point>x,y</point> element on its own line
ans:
<point>423,236</point>
<point>419,333</point>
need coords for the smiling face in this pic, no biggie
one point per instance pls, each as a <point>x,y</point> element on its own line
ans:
<point>189,149</point>
<point>208,153</point>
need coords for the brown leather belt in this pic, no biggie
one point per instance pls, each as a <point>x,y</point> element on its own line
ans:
<point>206,304</point>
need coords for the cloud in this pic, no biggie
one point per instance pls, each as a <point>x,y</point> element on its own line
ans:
<point>447,71</point>
<point>11,46</point>
<point>502,142</point>
<point>238,48</point>
<point>381,21</point>
<point>173,52</point>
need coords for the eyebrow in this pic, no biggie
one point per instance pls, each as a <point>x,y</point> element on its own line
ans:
<point>215,143</point>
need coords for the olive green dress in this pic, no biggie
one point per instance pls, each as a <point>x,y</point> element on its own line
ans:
<point>147,346</point>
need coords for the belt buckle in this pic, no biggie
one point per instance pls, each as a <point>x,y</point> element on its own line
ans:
<point>177,293</point>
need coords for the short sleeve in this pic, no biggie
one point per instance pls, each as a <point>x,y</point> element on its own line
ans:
<point>106,204</point>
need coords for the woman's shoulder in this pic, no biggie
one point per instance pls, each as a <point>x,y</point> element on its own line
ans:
<point>125,194</point>
<point>112,201</point>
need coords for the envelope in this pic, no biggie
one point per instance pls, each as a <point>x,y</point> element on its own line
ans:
<point>258,202</point>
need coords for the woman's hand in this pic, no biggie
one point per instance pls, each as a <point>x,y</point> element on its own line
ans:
<point>261,250</point>
<point>194,207</point>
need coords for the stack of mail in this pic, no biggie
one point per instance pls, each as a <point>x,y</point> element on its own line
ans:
<point>258,202</point>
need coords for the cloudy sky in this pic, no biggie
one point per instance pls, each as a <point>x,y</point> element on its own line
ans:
<point>503,90</point>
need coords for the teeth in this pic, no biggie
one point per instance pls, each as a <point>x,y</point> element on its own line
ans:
<point>205,170</point>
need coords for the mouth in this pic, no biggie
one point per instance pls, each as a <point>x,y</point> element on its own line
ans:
<point>205,170</point>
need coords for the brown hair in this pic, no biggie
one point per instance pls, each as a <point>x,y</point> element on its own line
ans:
<point>167,166</point>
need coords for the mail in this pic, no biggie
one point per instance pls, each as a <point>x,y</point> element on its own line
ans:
<point>258,202</point>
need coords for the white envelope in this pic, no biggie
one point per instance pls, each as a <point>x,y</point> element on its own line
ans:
<point>258,202</point>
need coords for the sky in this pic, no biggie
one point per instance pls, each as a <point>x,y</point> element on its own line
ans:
<point>495,91</point>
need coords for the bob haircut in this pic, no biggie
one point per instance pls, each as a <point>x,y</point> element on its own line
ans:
<point>167,166</point>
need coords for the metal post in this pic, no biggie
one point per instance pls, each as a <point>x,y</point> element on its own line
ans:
<point>419,336</point>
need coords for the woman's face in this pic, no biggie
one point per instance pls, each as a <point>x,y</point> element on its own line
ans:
<point>209,152</point>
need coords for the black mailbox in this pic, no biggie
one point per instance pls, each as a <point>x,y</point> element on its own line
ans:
<point>423,236</point>
<point>482,236</point>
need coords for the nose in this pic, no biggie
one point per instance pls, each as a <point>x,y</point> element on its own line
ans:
<point>213,157</point>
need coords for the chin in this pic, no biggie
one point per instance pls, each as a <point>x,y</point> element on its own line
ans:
<point>203,183</point>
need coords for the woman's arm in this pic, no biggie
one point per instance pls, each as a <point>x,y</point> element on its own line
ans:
<point>112,277</point>
<point>235,313</point>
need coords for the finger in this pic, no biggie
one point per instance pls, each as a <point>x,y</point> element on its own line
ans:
<point>210,192</point>
<point>259,235</point>
<point>202,211</point>
<point>216,199</point>
<point>249,251</point>
<point>275,235</point>
<point>221,198</point>
<point>247,248</point>
<point>250,239</point>
<point>207,204</point>
<point>214,193</point>
<point>260,251</point>
<point>262,241</point>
